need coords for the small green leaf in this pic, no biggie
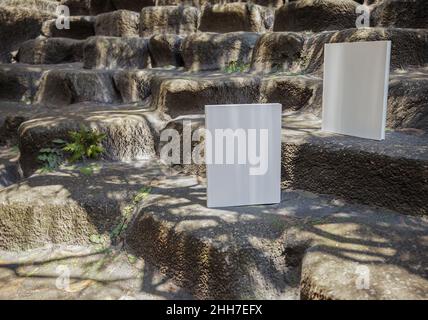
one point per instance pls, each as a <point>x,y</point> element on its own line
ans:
<point>59,141</point>
<point>95,238</point>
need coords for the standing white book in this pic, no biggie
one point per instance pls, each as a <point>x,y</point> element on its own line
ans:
<point>243,155</point>
<point>356,76</point>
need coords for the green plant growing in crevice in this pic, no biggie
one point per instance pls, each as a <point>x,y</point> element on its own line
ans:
<point>235,66</point>
<point>51,158</point>
<point>82,145</point>
<point>85,144</point>
<point>128,212</point>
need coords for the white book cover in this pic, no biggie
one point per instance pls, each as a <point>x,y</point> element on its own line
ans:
<point>355,89</point>
<point>243,155</point>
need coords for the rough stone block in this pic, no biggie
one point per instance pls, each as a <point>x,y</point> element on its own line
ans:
<point>168,19</point>
<point>50,51</point>
<point>113,52</point>
<point>211,51</point>
<point>232,17</point>
<point>121,23</point>
<point>316,15</point>
<point>165,50</point>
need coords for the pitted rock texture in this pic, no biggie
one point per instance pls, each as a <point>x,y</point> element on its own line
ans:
<point>328,163</point>
<point>401,14</point>
<point>64,86</point>
<point>211,51</point>
<point>278,51</point>
<point>115,53</point>
<point>9,167</point>
<point>165,50</point>
<point>186,95</point>
<point>17,25</point>
<point>50,51</point>
<point>408,47</point>
<point>81,27</point>
<point>254,252</point>
<point>96,273</point>
<point>129,136</point>
<point>20,82</point>
<point>315,15</point>
<point>168,19</point>
<point>133,85</point>
<point>121,23</point>
<point>48,6</point>
<point>235,17</point>
<point>61,207</point>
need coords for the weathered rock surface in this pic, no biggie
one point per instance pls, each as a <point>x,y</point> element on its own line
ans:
<point>293,92</point>
<point>315,15</point>
<point>235,17</point>
<point>50,51</point>
<point>121,23</point>
<point>340,165</point>
<point>17,25</point>
<point>129,134</point>
<point>96,273</point>
<point>408,46</point>
<point>133,85</point>
<point>64,86</point>
<point>62,207</point>
<point>133,5</point>
<point>401,14</point>
<point>408,100</point>
<point>12,115</point>
<point>211,51</point>
<point>9,168</point>
<point>278,51</point>
<point>20,82</point>
<point>183,95</point>
<point>115,52</point>
<point>260,252</point>
<point>168,19</point>
<point>165,50</point>
<point>38,5</point>
<point>81,27</point>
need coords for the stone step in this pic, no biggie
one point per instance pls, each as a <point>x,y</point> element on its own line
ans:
<point>81,27</point>
<point>17,25</point>
<point>115,53</point>
<point>121,23</point>
<point>96,273</point>
<point>38,5</point>
<point>129,132</point>
<point>272,52</point>
<point>323,15</point>
<point>269,252</point>
<point>9,167</point>
<point>408,46</point>
<point>184,94</point>
<point>316,15</point>
<point>60,85</point>
<point>236,17</point>
<point>169,19</point>
<point>279,251</point>
<point>67,207</point>
<point>401,14</point>
<point>94,7</point>
<point>213,51</point>
<point>12,115</point>
<point>50,51</point>
<point>175,92</point>
<point>392,173</point>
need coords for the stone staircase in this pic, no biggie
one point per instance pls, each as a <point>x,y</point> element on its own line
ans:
<point>131,68</point>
